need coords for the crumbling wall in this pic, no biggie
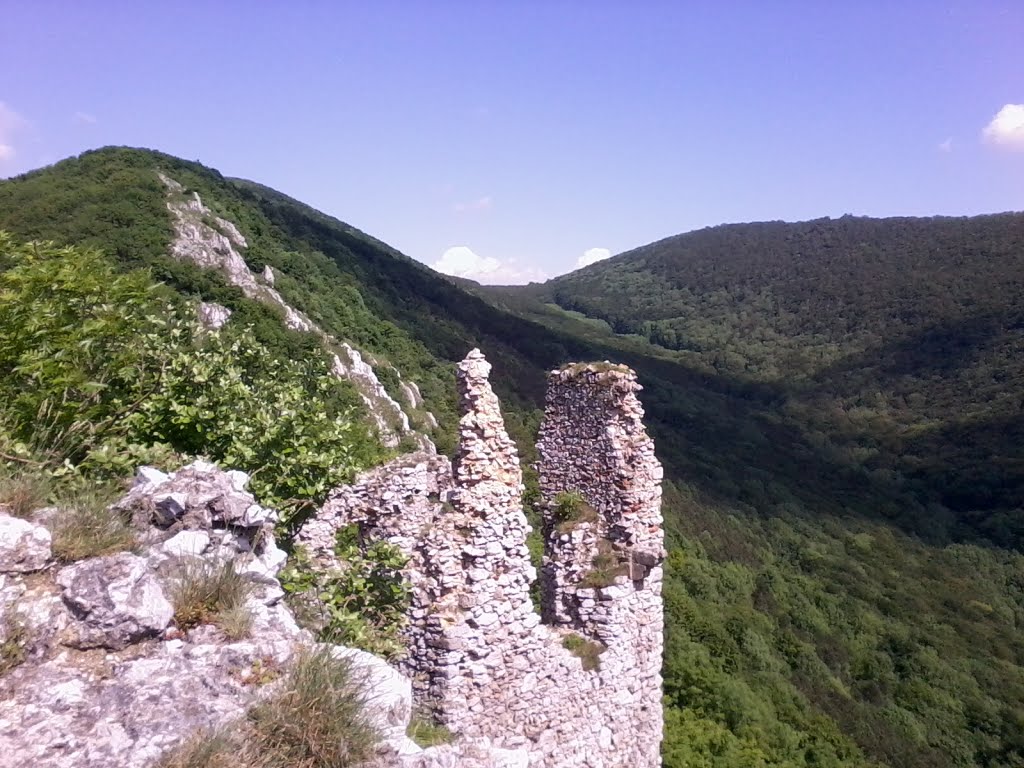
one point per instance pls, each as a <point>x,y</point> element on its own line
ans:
<point>480,658</point>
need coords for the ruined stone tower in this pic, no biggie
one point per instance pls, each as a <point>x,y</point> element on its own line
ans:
<point>480,658</point>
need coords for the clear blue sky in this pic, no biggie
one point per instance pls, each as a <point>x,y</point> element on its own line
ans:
<point>531,132</point>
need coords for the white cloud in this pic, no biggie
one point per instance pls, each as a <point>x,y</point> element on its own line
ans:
<point>947,145</point>
<point>83,118</point>
<point>592,256</point>
<point>484,203</point>
<point>461,261</point>
<point>1006,129</point>
<point>11,125</point>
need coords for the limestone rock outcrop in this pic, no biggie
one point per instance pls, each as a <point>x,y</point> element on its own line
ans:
<point>24,546</point>
<point>102,677</point>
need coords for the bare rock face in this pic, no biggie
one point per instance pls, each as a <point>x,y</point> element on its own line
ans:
<point>213,316</point>
<point>24,546</point>
<point>116,600</point>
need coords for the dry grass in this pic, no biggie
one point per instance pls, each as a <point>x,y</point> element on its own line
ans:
<point>204,593</point>
<point>315,719</point>
<point>605,567</point>
<point>588,651</point>
<point>22,492</point>
<point>207,749</point>
<point>87,527</point>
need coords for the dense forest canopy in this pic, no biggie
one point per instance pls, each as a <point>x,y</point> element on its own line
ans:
<point>837,404</point>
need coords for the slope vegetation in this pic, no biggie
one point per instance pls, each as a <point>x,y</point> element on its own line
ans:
<point>824,606</point>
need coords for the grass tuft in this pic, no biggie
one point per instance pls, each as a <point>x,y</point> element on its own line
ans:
<point>204,593</point>
<point>426,732</point>
<point>316,720</point>
<point>588,651</point>
<point>87,527</point>
<point>23,492</point>
<point>207,749</point>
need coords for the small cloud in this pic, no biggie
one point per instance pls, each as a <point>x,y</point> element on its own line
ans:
<point>1006,129</point>
<point>83,118</point>
<point>947,145</point>
<point>484,203</point>
<point>461,261</point>
<point>11,126</point>
<point>592,256</point>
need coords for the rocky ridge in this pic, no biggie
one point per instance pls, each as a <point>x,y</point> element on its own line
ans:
<point>212,242</point>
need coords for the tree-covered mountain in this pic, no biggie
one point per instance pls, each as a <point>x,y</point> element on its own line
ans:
<point>835,403</point>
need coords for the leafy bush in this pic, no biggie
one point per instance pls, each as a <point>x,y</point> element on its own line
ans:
<point>204,593</point>
<point>101,371</point>
<point>362,604</point>
<point>426,732</point>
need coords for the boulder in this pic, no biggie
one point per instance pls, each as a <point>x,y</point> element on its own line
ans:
<point>116,601</point>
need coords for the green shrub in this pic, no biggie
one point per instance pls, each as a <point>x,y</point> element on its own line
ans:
<point>569,509</point>
<point>204,593</point>
<point>101,371</point>
<point>361,604</point>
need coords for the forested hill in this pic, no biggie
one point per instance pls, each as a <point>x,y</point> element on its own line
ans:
<point>837,408</point>
<point>895,343</point>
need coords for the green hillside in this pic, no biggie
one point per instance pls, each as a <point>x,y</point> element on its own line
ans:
<point>833,401</point>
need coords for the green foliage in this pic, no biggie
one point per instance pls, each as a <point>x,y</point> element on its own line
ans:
<point>427,733</point>
<point>203,593</point>
<point>101,371</point>
<point>569,509</point>
<point>362,604</point>
<point>13,640</point>
<point>605,567</point>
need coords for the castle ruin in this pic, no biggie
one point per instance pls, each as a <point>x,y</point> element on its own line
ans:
<point>582,686</point>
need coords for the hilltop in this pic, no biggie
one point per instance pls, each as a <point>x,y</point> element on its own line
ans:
<point>833,403</point>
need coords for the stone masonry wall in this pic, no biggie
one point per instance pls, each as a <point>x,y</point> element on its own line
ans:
<point>480,658</point>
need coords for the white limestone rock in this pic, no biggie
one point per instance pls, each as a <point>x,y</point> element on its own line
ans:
<point>24,546</point>
<point>116,601</point>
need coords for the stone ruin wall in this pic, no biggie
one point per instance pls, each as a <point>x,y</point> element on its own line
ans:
<point>481,660</point>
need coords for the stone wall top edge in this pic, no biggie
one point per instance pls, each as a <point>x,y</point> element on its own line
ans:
<point>602,370</point>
